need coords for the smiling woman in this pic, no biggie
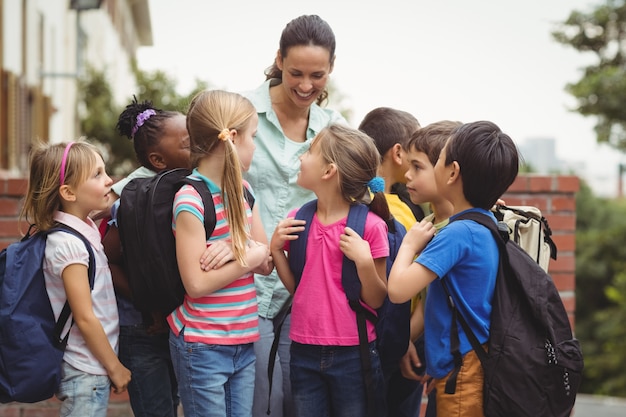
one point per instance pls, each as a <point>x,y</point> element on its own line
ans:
<point>288,106</point>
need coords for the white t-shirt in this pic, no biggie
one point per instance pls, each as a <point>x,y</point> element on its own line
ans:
<point>62,250</point>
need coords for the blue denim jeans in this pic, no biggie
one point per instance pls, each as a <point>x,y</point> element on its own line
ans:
<point>281,402</point>
<point>213,380</point>
<point>83,394</point>
<point>153,391</point>
<point>327,381</point>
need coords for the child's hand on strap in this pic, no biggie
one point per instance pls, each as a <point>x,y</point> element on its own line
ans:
<point>418,236</point>
<point>285,230</point>
<point>354,247</point>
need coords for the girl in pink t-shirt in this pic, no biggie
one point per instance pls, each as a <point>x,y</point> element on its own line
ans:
<point>326,376</point>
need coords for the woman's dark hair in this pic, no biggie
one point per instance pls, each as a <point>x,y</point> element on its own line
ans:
<point>303,31</point>
<point>143,124</point>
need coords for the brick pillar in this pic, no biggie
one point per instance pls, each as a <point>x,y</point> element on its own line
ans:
<point>555,196</point>
<point>12,191</point>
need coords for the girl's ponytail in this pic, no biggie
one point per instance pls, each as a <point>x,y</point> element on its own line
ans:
<point>378,203</point>
<point>212,117</point>
<point>232,182</point>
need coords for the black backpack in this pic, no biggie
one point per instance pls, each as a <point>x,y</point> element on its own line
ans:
<point>533,365</point>
<point>144,221</point>
<point>392,320</point>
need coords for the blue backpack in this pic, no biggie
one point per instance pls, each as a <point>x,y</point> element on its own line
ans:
<point>392,320</point>
<point>31,341</point>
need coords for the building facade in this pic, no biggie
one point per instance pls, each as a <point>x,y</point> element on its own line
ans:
<point>45,46</point>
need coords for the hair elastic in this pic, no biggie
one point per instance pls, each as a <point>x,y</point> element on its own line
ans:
<point>64,161</point>
<point>376,185</point>
<point>141,119</point>
<point>224,135</point>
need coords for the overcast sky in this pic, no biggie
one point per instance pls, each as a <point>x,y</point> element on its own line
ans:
<point>448,59</point>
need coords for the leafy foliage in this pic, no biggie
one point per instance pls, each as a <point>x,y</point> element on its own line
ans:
<point>99,117</point>
<point>160,89</point>
<point>99,113</point>
<point>601,223</point>
<point>601,291</point>
<point>338,100</point>
<point>601,91</point>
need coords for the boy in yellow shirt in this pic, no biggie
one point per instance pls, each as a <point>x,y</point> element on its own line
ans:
<point>391,129</point>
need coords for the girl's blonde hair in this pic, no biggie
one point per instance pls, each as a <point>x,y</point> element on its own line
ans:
<point>42,198</point>
<point>356,157</point>
<point>211,116</point>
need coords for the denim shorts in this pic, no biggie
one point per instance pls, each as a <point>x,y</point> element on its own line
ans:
<point>328,381</point>
<point>83,394</point>
<point>213,380</point>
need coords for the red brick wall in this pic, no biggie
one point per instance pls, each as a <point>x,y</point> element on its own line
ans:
<point>12,191</point>
<point>554,195</point>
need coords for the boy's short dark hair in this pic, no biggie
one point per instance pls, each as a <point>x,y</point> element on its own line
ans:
<point>488,161</point>
<point>388,126</point>
<point>431,139</point>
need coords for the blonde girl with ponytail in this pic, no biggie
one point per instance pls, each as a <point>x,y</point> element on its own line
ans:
<point>212,332</point>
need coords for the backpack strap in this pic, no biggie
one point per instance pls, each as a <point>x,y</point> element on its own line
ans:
<point>248,196</point>
<point>207,201</point>
<point>209,206</point>
<point>499,234</point>
<point>297,248</point>
<point>61,342</point>
<point>297,256</point>
<point>278,322</point>
<point>547,232</point>
<point>349,280</point>
<point>352,287</point>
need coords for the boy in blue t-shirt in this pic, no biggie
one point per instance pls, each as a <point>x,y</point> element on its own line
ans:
<point>476,166</point>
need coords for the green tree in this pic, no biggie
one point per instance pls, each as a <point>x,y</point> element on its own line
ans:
<point>601,91</point>
<point>601,291</point>
<point>161,90</point>
<point>99,113</point>
<point>337,100</point>
<point>98,117</point>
